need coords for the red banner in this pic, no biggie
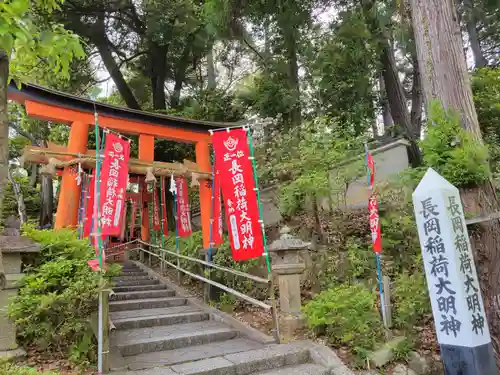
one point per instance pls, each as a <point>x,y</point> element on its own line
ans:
<point>89,209</point>
<point>156,210</point>
<point>114,178</point>
<point>164,206</point>
<point>183,210</point>
<point>373,208</point>
<point>124,222</point>
<point>238,188</point>
<point>217,228</point>
<point>375,224</point>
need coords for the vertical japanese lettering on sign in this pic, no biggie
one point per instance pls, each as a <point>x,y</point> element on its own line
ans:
<point>439,268</point>
<point>452,280</point>
<point>238,190</point>
<point>467,268</point>
<point>156,210</point>
<point>217,227</point>
<point>114,180</point>
<point>183,209</point>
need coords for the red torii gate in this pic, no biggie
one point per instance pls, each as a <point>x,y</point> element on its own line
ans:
<point>47,104</point>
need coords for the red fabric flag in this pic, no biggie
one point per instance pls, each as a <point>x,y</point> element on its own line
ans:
<point>238,189</point>
<point>183,210</point>
<point>164,206</point>
<point>89,209</point>
<point>371,170</point>
<point>217,228</point>
<point>156,210</point>
<point>375,224</point>
<point>114,178</point>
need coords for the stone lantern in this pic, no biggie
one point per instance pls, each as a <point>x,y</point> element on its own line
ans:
<point>287,264</point>
<point>12,245</point>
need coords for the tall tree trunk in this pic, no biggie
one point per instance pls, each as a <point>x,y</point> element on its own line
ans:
<point>471,23</point>
<point>386,110</point>
<point>446,79</point>
<point>158,75</point>
<point>46,201</point>
<point>397,101</point>
<point>211,78</point>
<point>4,141</point>
<point>33,175</point>
<point>417,98</point>
<point>21,207</point>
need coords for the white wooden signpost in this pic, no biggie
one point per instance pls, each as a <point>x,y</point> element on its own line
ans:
<point>457,304</point>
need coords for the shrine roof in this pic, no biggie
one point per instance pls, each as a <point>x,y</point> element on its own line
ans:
<point>56,98</point>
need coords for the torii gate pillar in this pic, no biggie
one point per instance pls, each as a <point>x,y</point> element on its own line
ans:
<point>70,191</point>
<point>146,153</point>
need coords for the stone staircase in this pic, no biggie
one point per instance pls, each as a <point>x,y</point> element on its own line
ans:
<point>160,332</point>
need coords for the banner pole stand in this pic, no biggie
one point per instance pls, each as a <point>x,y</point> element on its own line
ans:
<point>276,330</point>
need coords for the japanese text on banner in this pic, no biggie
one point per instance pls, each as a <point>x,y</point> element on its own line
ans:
<point>114,180</point>
<point>183,209</point>
<point>164,206</point>
<point>156,210</point>
<point>238,190</point>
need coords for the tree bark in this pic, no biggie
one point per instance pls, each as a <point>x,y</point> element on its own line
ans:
<point>211,78</point>
<point>4,140</point>
<point>397,101</point>
<point>46,201</point>
<point>471,23</point>
<point>115,73</point>
<point>158,58</point>
<point>417,99</point>
<point>386,110</point>
<point>21,207</point>
<point>445,78</point>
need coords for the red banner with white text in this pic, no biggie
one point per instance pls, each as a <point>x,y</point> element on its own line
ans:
<point>373,207</point>
<point>238,188</point>
<point>156,210</point>
<point>164,206</point>
<point>89,209</point>
<point>217,227</point>
<point>183,210</point>
<point>114,178</point>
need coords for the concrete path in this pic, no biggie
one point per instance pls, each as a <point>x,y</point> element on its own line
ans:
<point>160,332</point>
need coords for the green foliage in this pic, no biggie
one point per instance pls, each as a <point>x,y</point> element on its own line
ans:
<point>30,44</point>
<point>411,299</point>
<point>57,296</point>
<point>303,160</point>
<point>402,350</point>
<point>7,368</point>
<point>452,151</point>
<point>360,259</point>
<point>31,198</point>
<point>347,315</point>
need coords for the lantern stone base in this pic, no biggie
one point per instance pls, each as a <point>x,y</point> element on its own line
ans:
<point>290,324</point>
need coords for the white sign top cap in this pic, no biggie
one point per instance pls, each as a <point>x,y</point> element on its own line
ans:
<point>433,181</point>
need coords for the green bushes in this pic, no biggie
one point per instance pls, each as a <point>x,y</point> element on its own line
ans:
<point>347,315</point>
<point>11,369</point>
<point>57,296</point>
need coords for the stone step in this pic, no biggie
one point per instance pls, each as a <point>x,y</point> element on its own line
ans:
<point>145,340</point>
<point>304,369</point>
<point>148,303</point>
<point>133,273</point>
<point>147,281</point>
<point>136,288</point>
<point>190,353</point>
<point>142,294</point>
<point>247,362</point>
<point>163,317</point>
<point>128,277</point>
